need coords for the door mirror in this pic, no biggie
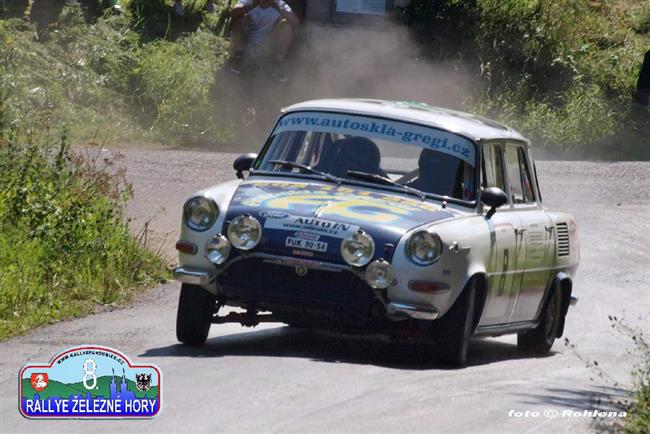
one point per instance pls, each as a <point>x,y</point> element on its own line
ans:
<point>243,163</point>
<point>493,197</point>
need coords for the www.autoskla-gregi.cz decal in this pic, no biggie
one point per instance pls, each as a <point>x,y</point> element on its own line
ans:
<point>90,381</point>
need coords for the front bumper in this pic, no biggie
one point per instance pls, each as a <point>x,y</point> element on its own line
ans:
<point>193,276</point>
<point>402,310</point>
<point>260,277</point>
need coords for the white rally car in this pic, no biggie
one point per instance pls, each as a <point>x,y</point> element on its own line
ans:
<point>380,217</point>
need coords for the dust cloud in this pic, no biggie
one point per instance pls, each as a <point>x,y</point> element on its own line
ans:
<point>342,62</point>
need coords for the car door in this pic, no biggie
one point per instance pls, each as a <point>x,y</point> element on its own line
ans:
<point>535,232</point>
<point>506,248</point>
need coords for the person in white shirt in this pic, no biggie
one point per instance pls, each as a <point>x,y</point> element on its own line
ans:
<point>263,26</point>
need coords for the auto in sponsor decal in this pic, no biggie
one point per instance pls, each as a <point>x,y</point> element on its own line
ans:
<point>311,225</point>
<point>90,381</point>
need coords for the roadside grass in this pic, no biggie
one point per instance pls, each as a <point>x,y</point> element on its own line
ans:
<point>64,247</point>
<point>638,416</point>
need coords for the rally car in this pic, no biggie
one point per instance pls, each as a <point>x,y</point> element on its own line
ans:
<point>394,218</point>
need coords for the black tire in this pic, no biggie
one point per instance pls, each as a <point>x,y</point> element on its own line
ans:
<point>453,331</point>
<point>195,309</point>
<point>538,341</point>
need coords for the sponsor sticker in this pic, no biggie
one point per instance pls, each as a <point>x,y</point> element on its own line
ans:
<point>307,236</point>
<point>382,129</point>
<point>311,225</point>
<point>270,214</point>
<point>317,246</point>
<point>90,381</point>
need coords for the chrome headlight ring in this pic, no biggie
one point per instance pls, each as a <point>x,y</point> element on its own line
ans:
<point>424,247</point>
<point>217,249</point>
<point>380,274</point>
<point>244,232</point>
<point>358,248</point>
<point>200,213</point>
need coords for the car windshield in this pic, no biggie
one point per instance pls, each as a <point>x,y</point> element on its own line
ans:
<point>392,154</point>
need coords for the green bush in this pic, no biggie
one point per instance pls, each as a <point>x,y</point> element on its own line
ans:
<point>642,20</point>
<point>63,245</point>
<point>174,82</point>
<point>638,418</point>
<point>563,72</point>
<point>72,78</point>
<point>116,78</point>
<point>582,116</point>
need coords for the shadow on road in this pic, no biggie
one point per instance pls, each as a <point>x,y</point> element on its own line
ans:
<point>334,348</point>
<point>599,398</point>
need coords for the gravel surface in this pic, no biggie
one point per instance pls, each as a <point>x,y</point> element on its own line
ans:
<point>274,379</point>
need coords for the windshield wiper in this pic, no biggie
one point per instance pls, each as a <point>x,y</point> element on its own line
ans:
<point>386,181</point>
<point>306,168</point>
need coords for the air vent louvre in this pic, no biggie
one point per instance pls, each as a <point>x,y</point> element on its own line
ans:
<point>562,239</point>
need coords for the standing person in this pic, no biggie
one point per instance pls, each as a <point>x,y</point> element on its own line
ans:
<point>263,27</point>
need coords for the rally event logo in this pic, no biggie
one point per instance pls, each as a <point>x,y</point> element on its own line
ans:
<point>90,382</point>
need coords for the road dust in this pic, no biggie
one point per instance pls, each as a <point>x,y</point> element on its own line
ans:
<point>341,62</point>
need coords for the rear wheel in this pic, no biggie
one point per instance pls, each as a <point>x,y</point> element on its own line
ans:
<point>538,341</point>
<point>195,309</point>
<point>453,331</point>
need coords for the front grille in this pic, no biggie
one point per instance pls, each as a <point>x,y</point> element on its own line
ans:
<point>255,281</point>
<point>562,239</point>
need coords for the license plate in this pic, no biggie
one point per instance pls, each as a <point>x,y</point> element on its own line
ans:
<point>317,246</point>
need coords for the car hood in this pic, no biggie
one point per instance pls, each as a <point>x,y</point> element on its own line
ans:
<point>323,214</point>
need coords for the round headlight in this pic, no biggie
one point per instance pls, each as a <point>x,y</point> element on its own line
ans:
<point>358,249</point>
<point>217,249</point>
<point>200,213</point>
<point>380,274</point>
<point>244,232</point>
<point>424,248</point>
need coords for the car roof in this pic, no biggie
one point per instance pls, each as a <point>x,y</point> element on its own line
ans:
<point>468,125</point>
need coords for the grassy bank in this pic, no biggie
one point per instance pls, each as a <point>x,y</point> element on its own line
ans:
<point>64,248</point>
<point>134,77</point>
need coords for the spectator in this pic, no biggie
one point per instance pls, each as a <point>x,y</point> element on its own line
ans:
<point>262,27</point>
<point>643,85</point>
<point>179,9</point>
<point>212,7</point>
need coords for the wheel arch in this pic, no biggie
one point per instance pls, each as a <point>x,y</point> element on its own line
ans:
<point>563,281</point>
<point>480,280</point>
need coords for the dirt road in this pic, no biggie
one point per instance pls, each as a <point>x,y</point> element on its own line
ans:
<point>273,379</point>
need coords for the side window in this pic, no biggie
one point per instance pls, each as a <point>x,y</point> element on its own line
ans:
<point>518,176</point>
<point>529,196</point>
<point>493,167</point>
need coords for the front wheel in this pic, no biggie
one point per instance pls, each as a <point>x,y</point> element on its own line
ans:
<point>538,341</point>
<point>195,309</point>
